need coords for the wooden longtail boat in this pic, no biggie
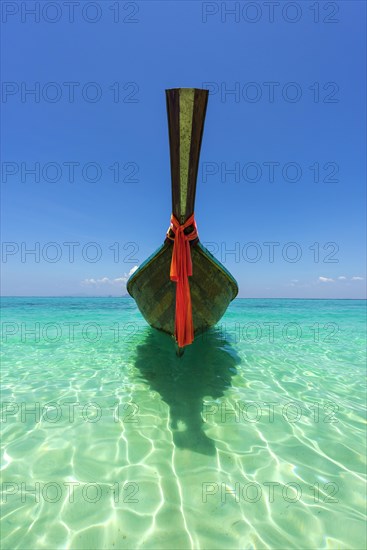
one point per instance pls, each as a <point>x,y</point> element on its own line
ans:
<point>169,297</point>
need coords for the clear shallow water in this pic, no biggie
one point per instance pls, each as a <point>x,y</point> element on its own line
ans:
<point>255,438</point>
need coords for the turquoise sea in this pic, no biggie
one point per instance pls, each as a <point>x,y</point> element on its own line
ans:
<point>254,439</point>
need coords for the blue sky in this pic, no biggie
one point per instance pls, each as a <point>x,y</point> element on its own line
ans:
<point>95,131</point>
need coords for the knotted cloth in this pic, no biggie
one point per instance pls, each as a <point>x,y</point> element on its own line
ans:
<point>181,270</point>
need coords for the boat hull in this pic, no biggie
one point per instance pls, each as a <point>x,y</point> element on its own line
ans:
<point>212,288</point>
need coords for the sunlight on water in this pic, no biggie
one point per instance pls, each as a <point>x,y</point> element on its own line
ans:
<point>255,438</point>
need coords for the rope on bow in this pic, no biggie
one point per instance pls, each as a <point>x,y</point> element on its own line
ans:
<point>181,269</point>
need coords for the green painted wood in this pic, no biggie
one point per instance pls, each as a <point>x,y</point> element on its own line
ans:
<point>212,286</point>
<point>186,108</point>
<point>212,289</point>
<point>187,96</point>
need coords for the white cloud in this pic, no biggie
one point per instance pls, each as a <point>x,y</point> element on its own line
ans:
<point>357,278</point>
<point>107,281</point>
<point>341,278</point>
<point>325,280</point>
<point>89,282</point>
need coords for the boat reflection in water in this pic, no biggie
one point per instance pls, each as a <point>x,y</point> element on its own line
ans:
<point>204,371</point>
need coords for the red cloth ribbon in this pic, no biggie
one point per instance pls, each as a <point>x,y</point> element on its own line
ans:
<point>181,269</point>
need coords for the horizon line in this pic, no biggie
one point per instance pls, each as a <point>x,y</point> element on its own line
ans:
<point>130,297</point>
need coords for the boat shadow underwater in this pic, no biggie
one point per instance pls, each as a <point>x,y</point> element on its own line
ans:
<point>204,371</point>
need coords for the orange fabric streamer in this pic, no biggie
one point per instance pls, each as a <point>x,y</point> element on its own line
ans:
<point>181,269</point>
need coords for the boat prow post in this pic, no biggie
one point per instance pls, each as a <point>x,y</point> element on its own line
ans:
<point>179,351</point>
